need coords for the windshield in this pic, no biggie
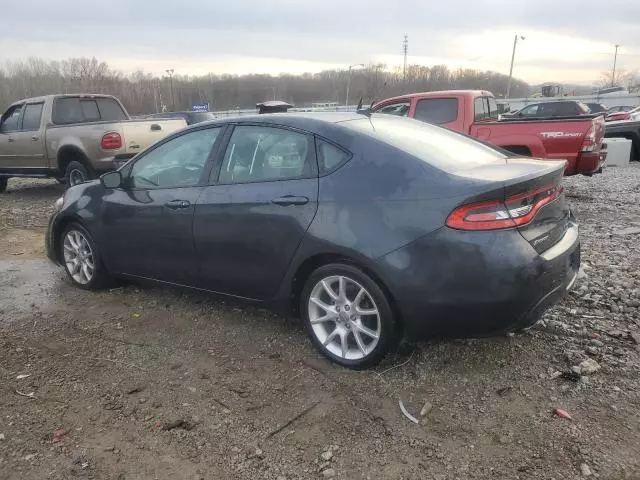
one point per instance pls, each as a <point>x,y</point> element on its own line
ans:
<point>436,146</point>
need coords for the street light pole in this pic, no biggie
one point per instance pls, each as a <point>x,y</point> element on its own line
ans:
<point>170,73</point>
<point>613,73</point>
<point>513,56</point>
<point>346,101</point>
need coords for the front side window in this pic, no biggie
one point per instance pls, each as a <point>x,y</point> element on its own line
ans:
<point>179,162</point>
<point>32,117</point>
<point>398,109</point>
<point>530,111</point>
<point>437,110</point>
<point>262,154</point>
<point>11,119</point>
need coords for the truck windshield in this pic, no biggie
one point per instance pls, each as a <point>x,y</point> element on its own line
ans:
<point>439,147</point>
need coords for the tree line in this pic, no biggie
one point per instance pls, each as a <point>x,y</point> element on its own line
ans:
<point>143,92</point>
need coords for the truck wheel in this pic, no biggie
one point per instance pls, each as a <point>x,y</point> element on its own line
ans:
<point>3,183</point>
<point>76,173</point>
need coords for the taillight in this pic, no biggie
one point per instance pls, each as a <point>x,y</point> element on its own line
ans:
<point>589,142</point>
<point>516,211</point>
<point>111,141</point>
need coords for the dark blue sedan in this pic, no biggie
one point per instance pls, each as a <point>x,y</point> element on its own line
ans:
<point>369,227</point>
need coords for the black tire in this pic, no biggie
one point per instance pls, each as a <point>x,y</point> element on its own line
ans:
<point>3,183</point>
<point>389,334</point>
<point>101,278</point>
<point>76,173</point>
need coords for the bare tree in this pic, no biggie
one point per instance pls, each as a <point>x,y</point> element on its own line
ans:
<point>142,92</point>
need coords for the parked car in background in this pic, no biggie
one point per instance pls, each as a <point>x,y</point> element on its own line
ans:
<point>597,108</point>
<point>562,108</point>
<point>633,114</point>
<point>575,138</point>
<point>72,137</point>
<point>620,108</point>
<point>368,226</point>
<point>190,117</point>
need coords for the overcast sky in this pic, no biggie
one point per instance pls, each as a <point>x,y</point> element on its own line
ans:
<point>566,40</point>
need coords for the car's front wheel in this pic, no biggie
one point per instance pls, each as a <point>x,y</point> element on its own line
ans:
<point>81,258</point>
<point>348,316</point>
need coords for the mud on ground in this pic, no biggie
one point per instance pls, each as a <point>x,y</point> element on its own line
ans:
<point>147,382</point>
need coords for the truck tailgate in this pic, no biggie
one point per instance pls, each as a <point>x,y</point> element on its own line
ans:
<point>139,134</point>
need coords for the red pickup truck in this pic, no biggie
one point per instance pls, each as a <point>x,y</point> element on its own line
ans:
<point>576,139</point>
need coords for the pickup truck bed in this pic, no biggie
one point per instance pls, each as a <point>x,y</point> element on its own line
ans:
<point>576,139</point>
<point>73,137</point>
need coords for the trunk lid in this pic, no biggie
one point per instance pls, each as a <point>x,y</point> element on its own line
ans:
<point>532,192</point>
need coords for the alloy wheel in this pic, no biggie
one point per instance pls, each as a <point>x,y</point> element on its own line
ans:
<point>78,257</point>
<point>344,317</point>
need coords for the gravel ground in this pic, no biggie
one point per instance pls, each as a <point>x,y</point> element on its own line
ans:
<point>144,382</point>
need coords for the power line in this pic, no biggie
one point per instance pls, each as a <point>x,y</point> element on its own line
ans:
<point>405,48</point>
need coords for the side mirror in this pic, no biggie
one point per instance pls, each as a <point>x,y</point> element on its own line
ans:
<point>111,179</point>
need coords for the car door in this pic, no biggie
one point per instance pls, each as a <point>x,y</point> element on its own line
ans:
<point>9,126</point>
<point>28,140</point>
<point>249,223</point>
<point>148,223</point>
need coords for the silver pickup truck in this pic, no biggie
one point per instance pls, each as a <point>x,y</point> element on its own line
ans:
<point>72,137</point>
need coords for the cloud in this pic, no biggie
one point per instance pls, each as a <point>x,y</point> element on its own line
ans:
<point>562,36</point>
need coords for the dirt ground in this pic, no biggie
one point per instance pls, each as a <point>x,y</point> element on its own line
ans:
<point>143,382</point>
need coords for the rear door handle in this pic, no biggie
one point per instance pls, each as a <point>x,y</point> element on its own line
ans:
<point>35,138</point>
<point>290,200</point>
<point>177,204</point>
<point>10,140</point>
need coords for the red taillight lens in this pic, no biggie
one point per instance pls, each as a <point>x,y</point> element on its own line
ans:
<point>111,141</point>
<point>514,212</point>
<point>589,143</point>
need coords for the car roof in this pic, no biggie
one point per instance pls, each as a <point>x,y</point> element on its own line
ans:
<point>302,120</point>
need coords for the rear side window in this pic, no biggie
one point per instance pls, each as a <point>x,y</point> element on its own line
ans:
<point>32,117</point>
<point>480,108</point>
<point>438,147</point>
<point>330,156</point>
<point>67,110</point>
<point>110,110</point>
<point>437,110</point>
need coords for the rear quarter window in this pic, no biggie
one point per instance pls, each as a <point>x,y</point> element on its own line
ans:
<point>438,147</point>
<point>437,110</point>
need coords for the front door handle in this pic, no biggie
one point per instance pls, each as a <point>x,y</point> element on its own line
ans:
<point>177,204</point>
<point>290,200</point>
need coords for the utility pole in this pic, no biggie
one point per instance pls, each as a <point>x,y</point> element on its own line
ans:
<point>613,73</point>
<point>346,100</point>
<point>405,49</point>
<point>170,73</point>
<point>513,56</point>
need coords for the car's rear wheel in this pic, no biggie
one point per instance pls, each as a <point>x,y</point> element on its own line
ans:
<point>347,315</point>
<point>76,173</point>
<point>81,258</point>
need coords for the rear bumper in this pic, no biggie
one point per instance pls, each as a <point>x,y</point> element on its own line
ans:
<point>474,283</point>
<point>589,163</point>
<point>107,164</point>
